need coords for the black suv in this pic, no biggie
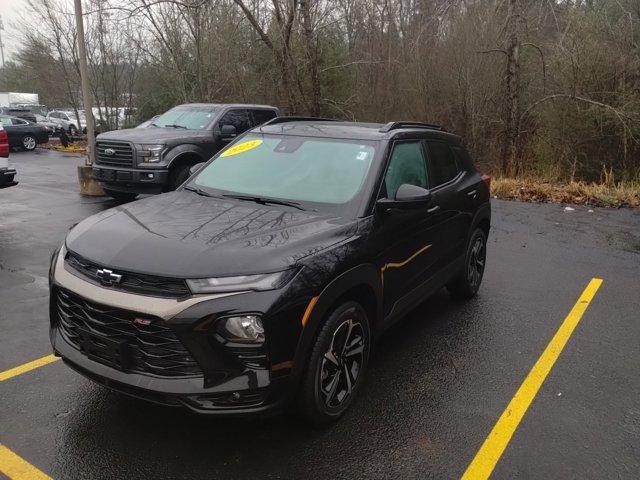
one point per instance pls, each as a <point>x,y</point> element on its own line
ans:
<point>158,158</point>
<point>265,279</point>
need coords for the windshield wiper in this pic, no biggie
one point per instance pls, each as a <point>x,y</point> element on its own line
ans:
<point>173,125</point>
<point>200,191</point>
<point>266,200</point>
<point>153,125</point>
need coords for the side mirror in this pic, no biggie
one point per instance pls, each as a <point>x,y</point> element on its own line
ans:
<point>407,197</point>
<point>228,131</point>
<point>196,168</point>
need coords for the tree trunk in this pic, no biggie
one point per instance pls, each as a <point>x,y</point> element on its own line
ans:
<point>512,115</point>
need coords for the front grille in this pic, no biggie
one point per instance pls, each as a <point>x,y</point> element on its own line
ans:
<point>122,339</point>
<point>132,282</point>
<point>122,155</point>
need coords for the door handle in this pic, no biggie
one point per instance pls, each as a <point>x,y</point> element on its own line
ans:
<point>433,209</point>
<point>472,193</point>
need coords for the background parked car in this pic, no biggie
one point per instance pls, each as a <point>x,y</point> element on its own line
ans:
<point>23,113</point>
<point>52,128</point>
<point>7,174</point>
<point>67,120</point>
<point>23,134</point>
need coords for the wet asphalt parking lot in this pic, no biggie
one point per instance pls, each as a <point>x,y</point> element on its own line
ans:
<point>436,386</point>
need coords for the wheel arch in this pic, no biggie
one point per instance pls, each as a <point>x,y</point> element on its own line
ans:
<point>482,220</point>
<point>362,284</point>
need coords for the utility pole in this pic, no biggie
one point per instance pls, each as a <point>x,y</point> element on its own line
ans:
<point>1,44</point>
<point>84,77</point>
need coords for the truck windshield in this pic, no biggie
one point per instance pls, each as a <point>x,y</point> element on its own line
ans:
<point>300,169</point>
<point>192,118</point>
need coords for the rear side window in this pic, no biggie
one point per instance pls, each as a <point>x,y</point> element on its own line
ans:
<point>406,165</point>
<point>6,121</point>
<point>262,116</point>
<point>443,164</point>
<point>237,118</point>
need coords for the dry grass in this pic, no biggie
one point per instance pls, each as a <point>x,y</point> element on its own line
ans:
<point>605,195</point>
<point>74,147</point>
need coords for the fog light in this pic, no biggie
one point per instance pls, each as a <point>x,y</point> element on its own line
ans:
<point>149,175</point>
<point>243,328</point>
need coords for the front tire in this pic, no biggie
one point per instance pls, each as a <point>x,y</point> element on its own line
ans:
<point>467,283</point>
<point>121,197</point>
<point>337,364</point>
<point>178,176</point>
<point>29,143</point>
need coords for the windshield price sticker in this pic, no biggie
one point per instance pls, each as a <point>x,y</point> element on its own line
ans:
<point>241,148</point>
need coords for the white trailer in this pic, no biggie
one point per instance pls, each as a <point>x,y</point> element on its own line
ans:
<point>12,99</point>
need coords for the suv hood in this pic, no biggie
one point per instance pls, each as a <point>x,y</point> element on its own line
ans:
<point>152,135</point>
<point>182,234</point>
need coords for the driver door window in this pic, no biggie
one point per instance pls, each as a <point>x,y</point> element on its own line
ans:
<point>237,118</point>
<point>406,165</point>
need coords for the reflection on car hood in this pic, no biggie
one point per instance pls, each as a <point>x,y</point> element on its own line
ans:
<point>183,234</point>
<point>153,135</point>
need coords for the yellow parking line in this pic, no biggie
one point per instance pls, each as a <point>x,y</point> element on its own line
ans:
<point>27,367</point>
<point>494,445</point>
<point>16,468</point>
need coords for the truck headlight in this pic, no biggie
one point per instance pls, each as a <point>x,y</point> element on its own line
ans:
<point>263,281</point>
<point>149,153</point>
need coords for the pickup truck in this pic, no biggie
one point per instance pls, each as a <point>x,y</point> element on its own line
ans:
<point>158,158</point>
<point>6,174</point>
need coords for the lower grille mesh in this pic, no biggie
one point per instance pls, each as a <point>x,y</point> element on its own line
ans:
<point>122,339</point>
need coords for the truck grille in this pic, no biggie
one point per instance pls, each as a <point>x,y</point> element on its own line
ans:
<point>119,154</point>
<point>122,339</point>
<point>132,282</point>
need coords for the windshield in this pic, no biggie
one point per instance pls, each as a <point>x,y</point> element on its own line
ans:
<point>299,169</point>
<point>193,118</point>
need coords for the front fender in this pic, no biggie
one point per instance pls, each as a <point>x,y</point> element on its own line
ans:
<point>183,150</point>
<point>361,275</point>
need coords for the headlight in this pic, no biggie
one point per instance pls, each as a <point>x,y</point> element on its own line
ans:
<point>265,281</point>
<point>242,328</point>
<point>150,153</point>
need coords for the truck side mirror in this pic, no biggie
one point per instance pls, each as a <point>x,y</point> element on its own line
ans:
<point>228,131</point>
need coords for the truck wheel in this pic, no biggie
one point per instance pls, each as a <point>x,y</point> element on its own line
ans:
<point>120,196</point>
<point>467,283</point>
<point>337,364</point>
<point>29,143</point>
<point>73,130</point>
<point>178,176</point>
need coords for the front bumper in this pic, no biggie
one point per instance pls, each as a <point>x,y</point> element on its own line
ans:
<point>131,180</point>
<point>7,178</point>
<point>228,384</point>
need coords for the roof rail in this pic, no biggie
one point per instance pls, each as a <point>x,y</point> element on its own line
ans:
<point>396,125</point>
<point>277,120</point>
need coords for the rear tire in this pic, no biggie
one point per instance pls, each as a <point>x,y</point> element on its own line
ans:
<point>29,143</point>
<point>120,197</point>
<point>467,283</point>
<point>337,365</point>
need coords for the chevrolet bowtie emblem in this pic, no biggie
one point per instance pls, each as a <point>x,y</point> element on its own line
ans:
<point>107,277</point>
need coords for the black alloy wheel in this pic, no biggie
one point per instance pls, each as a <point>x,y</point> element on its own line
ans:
<point>337,364</point>
<point>467,283</point>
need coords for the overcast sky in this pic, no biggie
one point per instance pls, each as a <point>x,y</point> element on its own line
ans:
<point>11,11</point>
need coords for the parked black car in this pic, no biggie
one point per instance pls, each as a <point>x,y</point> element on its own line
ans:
<point>158,158</point>
<point>264,280</point>
<point>24,134</point>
